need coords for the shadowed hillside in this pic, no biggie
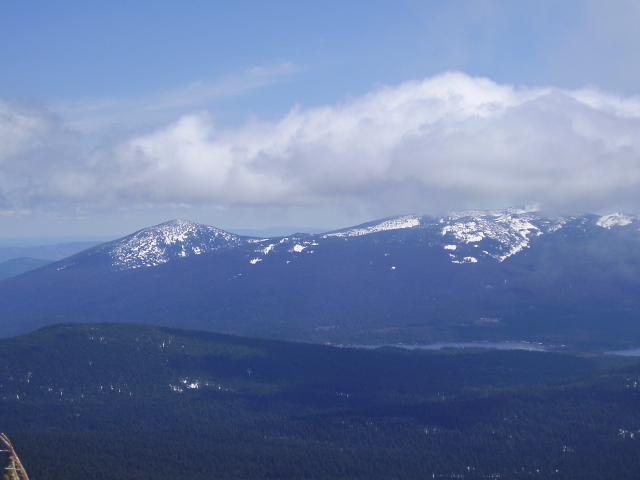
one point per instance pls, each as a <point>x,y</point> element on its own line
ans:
<point>133,401</point>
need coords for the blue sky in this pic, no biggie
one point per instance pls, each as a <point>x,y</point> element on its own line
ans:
<point>249,114</point>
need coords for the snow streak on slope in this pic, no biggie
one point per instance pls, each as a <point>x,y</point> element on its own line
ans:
<point>177,238</point>
<point>408,221</point>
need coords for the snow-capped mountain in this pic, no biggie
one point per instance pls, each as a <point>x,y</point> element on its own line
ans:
<point>497,234</point>
<point>467,236</point>
<point>505,274</point>
<point>161,243</point>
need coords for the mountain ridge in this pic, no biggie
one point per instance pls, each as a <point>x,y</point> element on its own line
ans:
<point>408,279</point>
<point>503,233</point>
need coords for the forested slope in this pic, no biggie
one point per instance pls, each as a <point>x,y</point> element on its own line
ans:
<point>119,401</point>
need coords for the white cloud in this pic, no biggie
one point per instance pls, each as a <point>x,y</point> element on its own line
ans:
<point>21,128</point>
<point>447,142</point>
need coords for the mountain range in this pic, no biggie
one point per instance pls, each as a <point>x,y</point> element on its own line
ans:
<point>500,275</point>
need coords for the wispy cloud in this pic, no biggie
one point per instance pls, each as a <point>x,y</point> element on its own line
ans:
<point>447,142</point>
<point>94,115</point>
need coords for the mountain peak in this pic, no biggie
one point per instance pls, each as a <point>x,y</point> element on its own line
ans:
<point>173,239</point>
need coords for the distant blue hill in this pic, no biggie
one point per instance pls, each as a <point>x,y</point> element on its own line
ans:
<point>16,266</point>
<point>52,252</point>
<point>40,241</point>
<point>276,231</point>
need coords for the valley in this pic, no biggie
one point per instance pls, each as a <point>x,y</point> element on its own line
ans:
<point>111,401</point>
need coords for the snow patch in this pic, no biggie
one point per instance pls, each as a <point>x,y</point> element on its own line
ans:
<point>466,260</point>
<point>268,249</point>
<point>510,228</point>
<point>614,220</point>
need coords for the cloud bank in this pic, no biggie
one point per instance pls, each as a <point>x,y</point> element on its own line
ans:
<point>447,142</point>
